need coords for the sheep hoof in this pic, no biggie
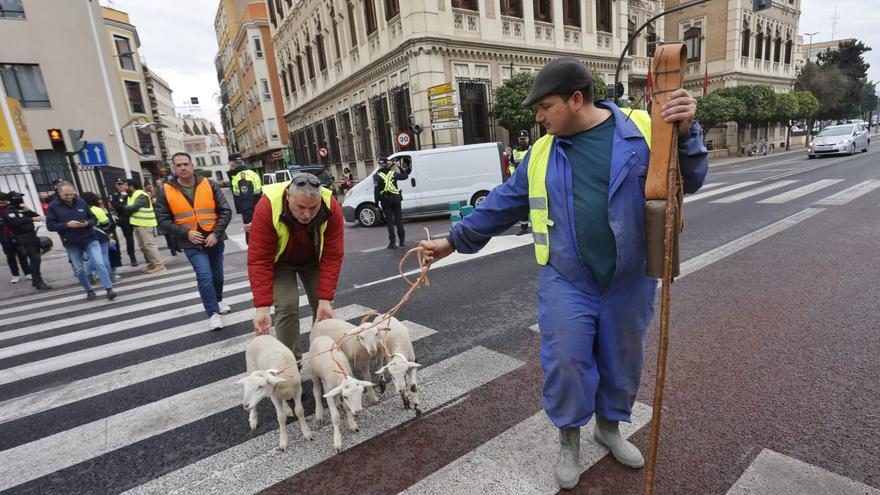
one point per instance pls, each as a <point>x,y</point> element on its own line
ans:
<point>309,437</point>
<point>354,429</point>
<point>282,447</point>
<point>418,411</point>
<point>382,385</point>
<point>253,426</point>
<point>338,450</point>
<point>375,402</point>
<point>412,388</point>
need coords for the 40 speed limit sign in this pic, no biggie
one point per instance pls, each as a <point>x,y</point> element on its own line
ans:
<point>404,139</point>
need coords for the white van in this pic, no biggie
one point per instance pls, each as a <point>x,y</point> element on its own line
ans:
<point>439,176</point>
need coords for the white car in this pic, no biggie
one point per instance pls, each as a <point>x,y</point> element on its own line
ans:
<point>847,138</point>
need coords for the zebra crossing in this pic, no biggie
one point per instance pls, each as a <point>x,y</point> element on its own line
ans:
<point>786,191</point>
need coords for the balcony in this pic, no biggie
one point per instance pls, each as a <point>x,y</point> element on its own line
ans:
<point>512,27</point>
<point>603,40</point>
<point>572,36</point>
<point>395,29</point>
<point>466,21</point>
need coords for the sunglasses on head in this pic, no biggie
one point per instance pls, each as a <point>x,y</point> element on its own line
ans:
<point>301,181</point>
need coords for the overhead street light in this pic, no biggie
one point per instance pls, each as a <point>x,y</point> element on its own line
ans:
<point>141,125</point>
<point>810,49</point>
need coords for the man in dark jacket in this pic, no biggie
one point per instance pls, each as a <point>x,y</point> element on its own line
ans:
<point>17,230</point>
<point>118,201</point>
<point>247,189</point>
<point>71,217</point>
<point>388,197</point>
<point>193,209</point>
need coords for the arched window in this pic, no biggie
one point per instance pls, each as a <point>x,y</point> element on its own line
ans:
<point>759,45</point>
<point>651,39</point>
<point>768,38</point>
<point>788,51</point>
<point>746,39</point>
<point>693,43</point>
<point>634,42</point>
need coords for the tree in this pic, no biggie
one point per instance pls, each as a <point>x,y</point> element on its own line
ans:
<point>714,109</point>
<point>808,105</point>
<point>785,112</point>
<point>600,89</point>
<point>508,110</point>
<point>839,80</point>
<point>759,104</point>
<point>828,85</point>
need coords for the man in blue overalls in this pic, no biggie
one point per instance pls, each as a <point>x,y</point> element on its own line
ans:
<point>583,186</point>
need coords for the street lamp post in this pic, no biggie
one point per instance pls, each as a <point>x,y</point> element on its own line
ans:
<point>810,47</point>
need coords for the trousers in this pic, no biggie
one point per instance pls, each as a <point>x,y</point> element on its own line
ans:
<point>391,209</point>
<point>208,264</point>
<point>286,296</point>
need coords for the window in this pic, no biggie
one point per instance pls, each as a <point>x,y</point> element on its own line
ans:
<point>145,141</point>
<point>747,38</point>
<point>290,78</point>
<point>512,8</point>
<point>466,5</point>
<point>651,39</point>
<point>336,40</point>
<point>603,16</point>
<point>284,83</point>
<point>124,52</point>
<point>200,161</point>
<point>777,52</point>
<point>370,16</point>
<point>267,95</point>
<point>258,47</point>
<point>273,128</point>
<point>352,26</point>
<point>759,45</point>
<point>392,9</point>
<point>24,82</point>
<point>271,8</point>
<point>767,41</point>
<point>788,51</point>
<point>571,12</point>
<point>311,62</point>
<point>634,42</point>
<point>299,70</point>
<point>11,9</point>
<point>692,42</point>
<point>322,57</point>
<point>135,98</point>
<point>543,11</point>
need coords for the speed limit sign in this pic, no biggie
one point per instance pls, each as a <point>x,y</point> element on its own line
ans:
<point>404,139</point>
<point>322,152</point>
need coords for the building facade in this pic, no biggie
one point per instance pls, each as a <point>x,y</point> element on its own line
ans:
<point>246,62</point>
<point>168,134</point>
<point>355,74</point>
<point>733,45</point>
<point>51,56</point>
<point>205,145</point>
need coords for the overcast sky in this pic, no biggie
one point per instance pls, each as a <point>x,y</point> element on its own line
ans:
<point>179,43</point>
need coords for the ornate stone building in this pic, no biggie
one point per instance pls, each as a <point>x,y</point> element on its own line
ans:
<point>356,73</point>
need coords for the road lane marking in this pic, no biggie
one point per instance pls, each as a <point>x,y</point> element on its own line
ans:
<point>717,192</point>
<point>754,192</point>
<point>849,194</point>
<point>257,464</point>
<point>67,393</point>
<point>500,465</point>
<point>711,185</point>
<point>772,473</point>
<point>799,192</point>
<point>374,249</point>
<point>239,241</point>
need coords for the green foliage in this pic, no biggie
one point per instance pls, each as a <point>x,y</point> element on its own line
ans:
<point>204,173</point>
<point>808,105</point>
<point>600,89</point>
<point>839,81</point>
<point>786,108</point>
<point>759,101</point>
<point>714,109</point>
<point>508,110</point>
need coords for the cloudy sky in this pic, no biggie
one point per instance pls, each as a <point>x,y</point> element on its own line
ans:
<point>180,44</point>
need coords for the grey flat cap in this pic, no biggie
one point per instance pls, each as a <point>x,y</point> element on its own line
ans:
<point>560,77</point>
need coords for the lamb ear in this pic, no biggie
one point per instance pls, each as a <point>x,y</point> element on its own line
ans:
<point>275,379</point>
<point>414,365</point>
<point>333,393</point>
<point>381,371</point>
<point>241,381</point>
<point>367,384</point>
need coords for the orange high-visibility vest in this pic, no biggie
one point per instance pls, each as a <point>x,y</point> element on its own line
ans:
<point>202,214</point>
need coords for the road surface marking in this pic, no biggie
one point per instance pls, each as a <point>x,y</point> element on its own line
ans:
<point>772,473</point>
<point>711,185</point>
<point>374,249</point>
<point>257,464</point>
<point>850,193</point>
<point>500,465</point>
<point>753,192</point>
<point>799,192</point>
<point>239,241</point>
<point>719,191</point>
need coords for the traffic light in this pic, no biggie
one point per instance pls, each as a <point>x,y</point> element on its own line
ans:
<point>76,141</point>
<point>57,140</point>
<point>759,5</point>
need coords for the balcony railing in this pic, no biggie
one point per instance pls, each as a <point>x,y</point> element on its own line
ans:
<point>544,32</point>
<point>512,27</point>
<point>603,40</point>
<point>466,20</point>
<point>572,36</point>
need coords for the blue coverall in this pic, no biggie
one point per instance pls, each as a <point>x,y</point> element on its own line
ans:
<point>592,343</point>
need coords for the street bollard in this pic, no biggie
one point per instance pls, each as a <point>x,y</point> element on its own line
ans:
<point>454,214</point>
<point>466,210</point>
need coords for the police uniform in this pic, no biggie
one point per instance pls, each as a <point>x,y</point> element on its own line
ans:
<point>389,198</point>
<point>118,201</point>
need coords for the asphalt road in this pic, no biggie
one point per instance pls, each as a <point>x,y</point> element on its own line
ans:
<point>771,388</point>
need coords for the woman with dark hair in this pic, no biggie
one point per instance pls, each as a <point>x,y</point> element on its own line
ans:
<point>106,231</point>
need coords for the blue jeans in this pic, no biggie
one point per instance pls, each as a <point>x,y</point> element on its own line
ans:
<point>208,265</point>
<point>93,249</point>
<point>91,266</point>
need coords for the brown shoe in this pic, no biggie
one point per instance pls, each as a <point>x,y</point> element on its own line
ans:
<point>155,269</point>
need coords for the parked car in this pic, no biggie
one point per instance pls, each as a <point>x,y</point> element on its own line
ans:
<point>438,176</point>
<point>319,171</point>
<point>845,138</point>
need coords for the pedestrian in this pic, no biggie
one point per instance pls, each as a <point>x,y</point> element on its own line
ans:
<point>584,185</point>
<point>13,257</point>
<point>142,218</point>
<point>71,217</point>
<point>105,230</point>
<point>56,183</point>
<point>118,200</point>
<point>17,228</point>
<point>517,156</point>
<point>171,240</point>
<point>298,232</point>
<point>193,210</point>
<point>247,189</point>
<point>347,181</point>
<point>388,196</point>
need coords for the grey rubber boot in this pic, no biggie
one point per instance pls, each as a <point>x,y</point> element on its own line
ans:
<point>608,434</point>
<point>567,470</point>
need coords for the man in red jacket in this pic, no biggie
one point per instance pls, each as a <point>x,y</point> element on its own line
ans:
<point>297,230</point>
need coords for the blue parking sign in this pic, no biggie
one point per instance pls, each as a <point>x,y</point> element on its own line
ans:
<point>93,155</point>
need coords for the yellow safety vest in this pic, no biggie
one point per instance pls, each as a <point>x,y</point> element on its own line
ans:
<point>144,217</point>
<point>538,202</point>
<point>275,193</point>
<point>516,158</point>
<point>388,177</point>
<point>250,176</point>
<point>100,214</point>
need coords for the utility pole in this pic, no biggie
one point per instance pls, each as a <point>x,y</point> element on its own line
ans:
<point>810,46</point>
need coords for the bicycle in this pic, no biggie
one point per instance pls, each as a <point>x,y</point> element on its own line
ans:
<point>761,147</point>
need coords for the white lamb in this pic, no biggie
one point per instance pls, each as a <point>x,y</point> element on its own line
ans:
<point>331,370</point>
<point>265,356</point>
<point>358,349</point>
<point>401,365</point>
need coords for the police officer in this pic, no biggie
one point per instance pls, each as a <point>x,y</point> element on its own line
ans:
<point>247,189</point>
<point>118,200</point>
<point>517,156</point>
<point>388,197</point>
<point>139,207</point>
<point>17,218</point>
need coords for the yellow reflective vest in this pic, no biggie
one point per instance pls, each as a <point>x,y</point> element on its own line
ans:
<point>144,217</point>
<point>388,177</point>
<point>250,176</point>
<point>100,214</point>
<point>538,162</point>
<point>275,193</point>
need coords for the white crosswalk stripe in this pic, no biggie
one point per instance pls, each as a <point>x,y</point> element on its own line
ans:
<point>800,192</point>
<point>754,192</point>
<point>719,191</point>
<point>850,193</point>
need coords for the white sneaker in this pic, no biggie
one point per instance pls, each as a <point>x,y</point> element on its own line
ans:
<point>225,309</point>
<point>28,277</point>
<point>14,280</point>
<point>215,322</point>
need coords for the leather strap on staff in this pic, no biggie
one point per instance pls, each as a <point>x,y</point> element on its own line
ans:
<point>669,62</point>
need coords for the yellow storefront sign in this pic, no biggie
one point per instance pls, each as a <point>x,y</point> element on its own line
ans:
<point>445,101</point>
<point>440,89</point>
<point>7,146</point>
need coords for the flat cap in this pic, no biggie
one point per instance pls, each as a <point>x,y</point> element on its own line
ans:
<point>560,77</point>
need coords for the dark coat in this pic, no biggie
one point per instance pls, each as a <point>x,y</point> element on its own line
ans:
<point>60,213</point>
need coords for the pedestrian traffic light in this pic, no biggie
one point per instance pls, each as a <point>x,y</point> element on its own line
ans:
<point>57,140</point>
<point>76,141</point>
<point>759,5</point>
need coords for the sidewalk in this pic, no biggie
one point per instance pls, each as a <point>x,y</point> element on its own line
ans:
<point>736,159</point>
